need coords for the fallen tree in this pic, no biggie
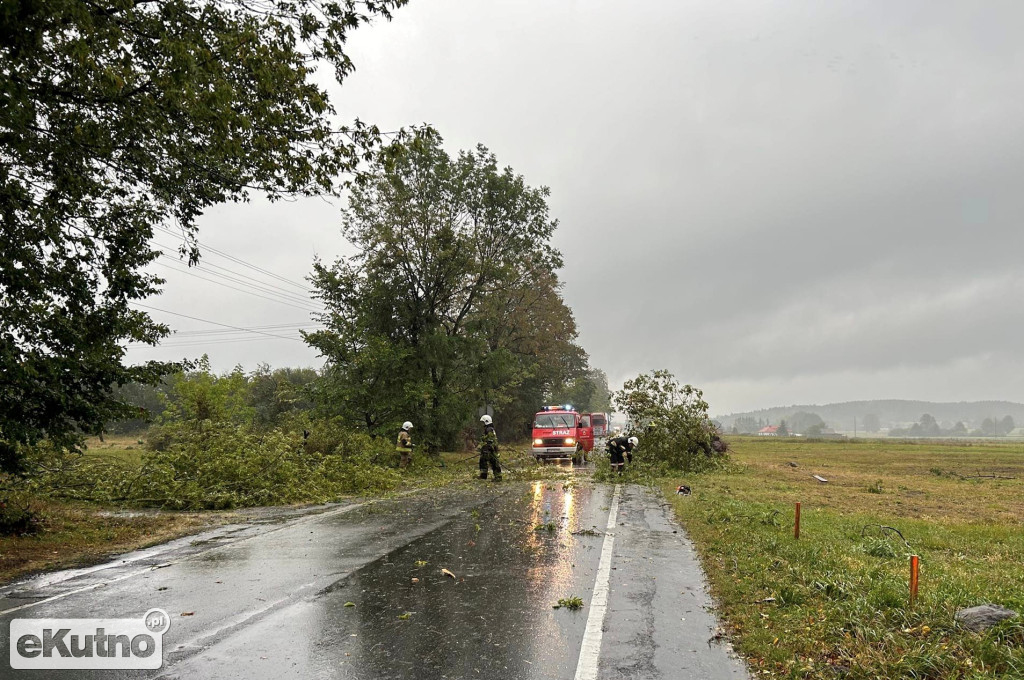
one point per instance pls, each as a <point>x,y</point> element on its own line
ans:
<point>672,423</point>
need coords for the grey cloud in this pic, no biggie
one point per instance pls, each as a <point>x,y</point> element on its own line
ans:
<point>783,201</point>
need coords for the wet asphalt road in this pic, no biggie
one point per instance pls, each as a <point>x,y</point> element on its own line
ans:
<point>267,599</point>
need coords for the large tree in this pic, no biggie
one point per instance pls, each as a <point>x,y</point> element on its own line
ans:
<point>118,116</point>
<point>587,392</point>
<point>531,351</point>
<point>451,301</point>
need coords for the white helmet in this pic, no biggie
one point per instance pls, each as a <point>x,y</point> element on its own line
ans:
<point>407,425</point>
<point>633,440</point>
<point>485,419</point>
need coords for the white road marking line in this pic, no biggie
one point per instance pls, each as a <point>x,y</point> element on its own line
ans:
<point>61,596</point>
<point>586,667</point>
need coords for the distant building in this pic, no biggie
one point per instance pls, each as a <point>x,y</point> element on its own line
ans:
<point>770,431</point>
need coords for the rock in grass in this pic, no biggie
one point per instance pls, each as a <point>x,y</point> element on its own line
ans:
<point>983,617</point>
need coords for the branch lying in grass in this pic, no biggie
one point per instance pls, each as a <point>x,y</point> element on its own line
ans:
<point>883,528</point>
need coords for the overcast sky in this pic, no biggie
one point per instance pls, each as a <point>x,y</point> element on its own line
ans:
<point>781,202</point>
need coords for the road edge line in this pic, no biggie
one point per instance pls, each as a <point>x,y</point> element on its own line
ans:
<point>590,649</point>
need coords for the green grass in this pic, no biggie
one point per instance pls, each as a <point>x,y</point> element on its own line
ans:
<point>834,604</point>
<point>77,534</point>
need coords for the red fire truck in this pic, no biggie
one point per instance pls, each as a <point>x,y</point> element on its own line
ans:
<point>600,423</point>
<point>561,432</point>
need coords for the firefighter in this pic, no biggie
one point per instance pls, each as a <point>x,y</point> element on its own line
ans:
<point>620,449</point>
<point>404,446</point>
<point>489,450</point>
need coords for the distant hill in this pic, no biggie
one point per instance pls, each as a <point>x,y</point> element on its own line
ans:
<point>890,412</point>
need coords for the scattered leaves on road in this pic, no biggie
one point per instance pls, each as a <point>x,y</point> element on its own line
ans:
<point>572,603</point>
<point>587,532</point>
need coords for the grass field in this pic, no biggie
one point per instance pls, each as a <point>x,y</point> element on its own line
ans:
<point>834,604</point>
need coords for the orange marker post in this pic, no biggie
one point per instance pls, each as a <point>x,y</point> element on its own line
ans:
<point>914,563</point>
<point>796,525</point>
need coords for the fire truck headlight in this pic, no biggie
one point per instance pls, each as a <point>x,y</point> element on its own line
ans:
<point>570,440</point>
<point>538,442</point>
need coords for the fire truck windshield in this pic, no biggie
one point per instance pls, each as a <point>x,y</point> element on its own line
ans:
<point>554,420</point>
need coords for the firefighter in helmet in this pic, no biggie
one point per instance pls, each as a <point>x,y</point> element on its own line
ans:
<point>404,445</point>
<point>620,449</point>
<point>489,450</point>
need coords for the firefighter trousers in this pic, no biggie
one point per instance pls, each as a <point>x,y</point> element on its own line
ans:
<point>489,458</point>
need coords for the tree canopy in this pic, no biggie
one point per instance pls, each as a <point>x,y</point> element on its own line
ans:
<point>451,303</point>
<point>117,116</point>
<point>588,392</point>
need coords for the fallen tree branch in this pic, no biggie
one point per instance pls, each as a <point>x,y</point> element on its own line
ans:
<point>883,528</point>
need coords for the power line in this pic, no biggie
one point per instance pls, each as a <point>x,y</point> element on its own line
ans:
<point>205,332</point>
<point>280,299</point>
<point>205,343</point>
<point>169,253</point>
<point>240,261</point>
<point>215,323</point>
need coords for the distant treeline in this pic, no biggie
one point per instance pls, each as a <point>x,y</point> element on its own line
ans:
<point>928,427</point>
<point>269,398</point>
<point>878,415</point>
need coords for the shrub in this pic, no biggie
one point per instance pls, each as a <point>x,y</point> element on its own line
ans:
<point>16,514</point>
<point>204,464</point>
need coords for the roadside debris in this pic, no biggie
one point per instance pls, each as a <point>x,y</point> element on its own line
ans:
<point>718,635</point>
<point>587,532</point>
<point>683,490</point>
<point>882,529</point>
<point>188,613</point>
<point>448,573</point>
<point>820,479</point>
<point>350,604</point>
<point>792,464</point>
<point>405,616</point>
<point>572,603</point>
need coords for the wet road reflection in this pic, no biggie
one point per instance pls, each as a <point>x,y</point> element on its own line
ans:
<point>494,618</point>
<point>359,592</point>
<point>512,558</point>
